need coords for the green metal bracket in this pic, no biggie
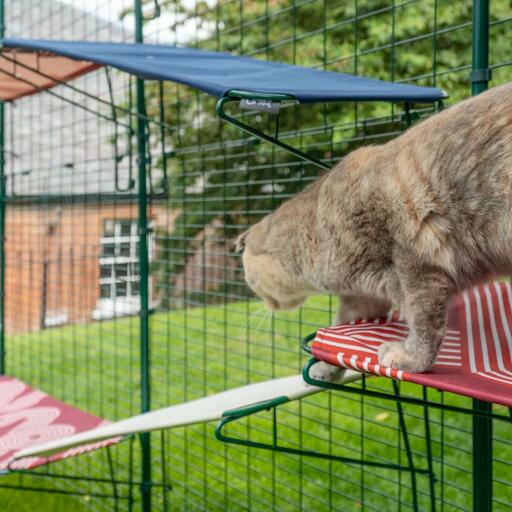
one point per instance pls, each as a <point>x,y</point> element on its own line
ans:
<point>429,471</point>
<point>247,410</point>
<point>242,412</point>
<point>306,341</point>
<point>233,96</point>
<point>387,396</point>
<point>237,94</point>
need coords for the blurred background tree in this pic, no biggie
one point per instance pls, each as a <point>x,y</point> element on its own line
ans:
<point>217,173</point>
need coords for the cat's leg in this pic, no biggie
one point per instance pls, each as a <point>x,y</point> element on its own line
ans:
<point>351,307</point>
<point>327,372</point>
<point>354,307</point>
<point>426,292</point>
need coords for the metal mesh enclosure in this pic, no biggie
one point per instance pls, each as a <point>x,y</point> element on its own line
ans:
<point>62,202</point>
<point>74,278</point>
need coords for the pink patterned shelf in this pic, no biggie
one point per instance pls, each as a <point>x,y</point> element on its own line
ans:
<point>29,417</point>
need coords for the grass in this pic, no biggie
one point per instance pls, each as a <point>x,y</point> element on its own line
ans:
<point>200,351</point>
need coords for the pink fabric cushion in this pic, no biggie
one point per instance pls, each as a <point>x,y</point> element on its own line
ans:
<point>475,359</point>
<point>29,417</point>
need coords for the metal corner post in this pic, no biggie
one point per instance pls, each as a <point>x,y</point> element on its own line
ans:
<point>482,426</point>
<point>2,213</point>
<point>143,231</point>
<point>480,72</point>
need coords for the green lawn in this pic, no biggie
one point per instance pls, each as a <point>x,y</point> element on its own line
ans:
<point>199,351</point>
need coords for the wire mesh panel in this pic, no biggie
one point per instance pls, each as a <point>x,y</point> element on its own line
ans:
<point>72,257</point>
<point>222,182</point>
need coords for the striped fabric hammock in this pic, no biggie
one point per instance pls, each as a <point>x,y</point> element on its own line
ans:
<point>475,359</point>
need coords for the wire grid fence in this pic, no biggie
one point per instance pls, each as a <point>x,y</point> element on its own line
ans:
<point>71,292</point>
<point>60,186</point>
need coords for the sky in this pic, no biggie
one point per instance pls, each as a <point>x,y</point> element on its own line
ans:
<point>107,9</point>
<point>158,28</point>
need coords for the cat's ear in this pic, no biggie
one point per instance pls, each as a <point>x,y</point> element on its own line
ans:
<point>240,241</point>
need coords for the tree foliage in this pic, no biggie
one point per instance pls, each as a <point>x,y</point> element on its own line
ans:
<point>217,172</point>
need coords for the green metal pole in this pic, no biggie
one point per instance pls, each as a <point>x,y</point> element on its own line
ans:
<point>482,426</point>
<point>236,95</point>
<point>480,74</point>
<point>143,229</point>
<point>2,213</point>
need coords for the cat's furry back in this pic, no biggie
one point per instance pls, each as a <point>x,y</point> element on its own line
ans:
<point>409,222</point>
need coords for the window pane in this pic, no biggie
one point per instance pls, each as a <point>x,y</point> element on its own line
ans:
<point>126,227</point>
<point>108,228</point>
<point>121,270</point>
<point>135,288</point>
<point>108,250</point>
<point>105,291</point>
<point>134,269</point>
<point>105,271</point>
<point>121,289</point>
<point>124,249</point>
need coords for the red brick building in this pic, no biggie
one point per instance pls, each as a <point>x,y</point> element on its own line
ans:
<point>72,263</point>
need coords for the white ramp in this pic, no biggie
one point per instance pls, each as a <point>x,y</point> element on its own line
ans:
<point>201,410</point>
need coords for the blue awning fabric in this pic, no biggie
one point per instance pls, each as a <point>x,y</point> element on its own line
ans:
<point>212,72</point>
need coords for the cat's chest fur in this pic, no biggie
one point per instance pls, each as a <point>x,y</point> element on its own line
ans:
<point>355,249</point>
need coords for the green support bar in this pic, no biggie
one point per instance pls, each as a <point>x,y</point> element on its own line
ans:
<point>2,214</point>
<point>272,404</point>
<point>143,231</point>
<point>420,402</point>
<point>480,73</point>
<point>238,95</point>
<point>482,425</point>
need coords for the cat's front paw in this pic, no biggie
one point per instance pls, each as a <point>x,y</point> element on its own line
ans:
<point>394,355</point>
<point>326,372</point>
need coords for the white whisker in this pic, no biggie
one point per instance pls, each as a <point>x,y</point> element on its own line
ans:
<point>251,317</point>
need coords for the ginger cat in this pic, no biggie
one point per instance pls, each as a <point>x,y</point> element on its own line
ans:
<point>410,222</point>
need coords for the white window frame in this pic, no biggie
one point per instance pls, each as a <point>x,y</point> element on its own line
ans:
<point>128,304</point>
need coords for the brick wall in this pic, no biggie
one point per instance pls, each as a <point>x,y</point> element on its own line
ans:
<point>52,261</point>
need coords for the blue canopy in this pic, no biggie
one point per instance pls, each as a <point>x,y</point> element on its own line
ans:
<point>212,72</point>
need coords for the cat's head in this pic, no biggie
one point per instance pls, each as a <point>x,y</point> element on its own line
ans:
<point>268,265</point>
